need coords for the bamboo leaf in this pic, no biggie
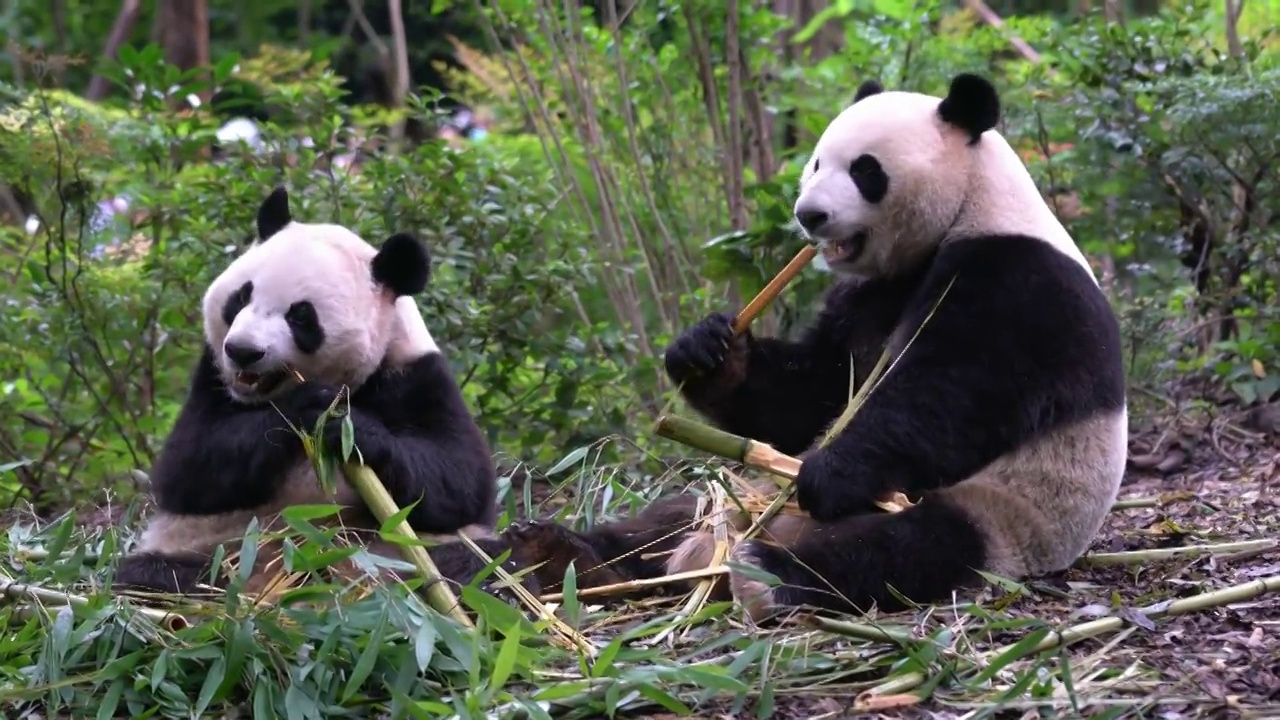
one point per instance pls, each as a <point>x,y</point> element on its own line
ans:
<point>424,644</point>
<point>209,689</point>
<point>368,658</point>
<point>506,662</point>
<point>348,438</point>
<point>573,457</point>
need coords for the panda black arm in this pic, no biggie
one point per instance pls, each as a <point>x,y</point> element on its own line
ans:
<point>786,392</point>
<point>414,430</point>
<point>776,391</point>
<point>219,454</point>
<point>1023,342</point>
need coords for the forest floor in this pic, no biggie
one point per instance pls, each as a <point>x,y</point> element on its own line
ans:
<point>1191,482</point>
<point>1217,483</point>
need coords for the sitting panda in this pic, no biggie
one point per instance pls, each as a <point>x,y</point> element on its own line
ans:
<point>318,301</point>
<point>1005,417</point>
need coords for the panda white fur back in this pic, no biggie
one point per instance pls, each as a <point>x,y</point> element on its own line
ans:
<point>1005,416</point>
<point>316,300</point>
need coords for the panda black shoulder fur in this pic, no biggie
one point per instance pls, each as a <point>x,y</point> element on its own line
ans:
<point>1006,415</point>
<point>319,300</point>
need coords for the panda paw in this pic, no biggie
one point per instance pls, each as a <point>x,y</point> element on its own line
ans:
<point>304,405</point>
<point>702,351</point>
<point>760,601</point>
<point>368,437</point>
<point>827,487</point>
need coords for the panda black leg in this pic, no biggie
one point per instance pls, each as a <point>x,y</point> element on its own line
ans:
<point>459,566</point>
<point>849,565</point>
<point>609,553</point>
<point>178,574</point>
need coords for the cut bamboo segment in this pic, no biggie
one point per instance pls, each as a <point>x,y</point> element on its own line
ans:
<point>751,453</point>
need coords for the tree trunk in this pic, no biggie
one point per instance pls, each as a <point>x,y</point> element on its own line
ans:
<point>125,20</point>
<point>1235,8</point>
<point>184,35</point>
<point>400,45</point>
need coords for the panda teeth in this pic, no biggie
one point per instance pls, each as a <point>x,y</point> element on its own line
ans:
<point>248,378</point>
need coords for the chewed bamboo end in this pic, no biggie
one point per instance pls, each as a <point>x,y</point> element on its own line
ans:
<point>896,503</point>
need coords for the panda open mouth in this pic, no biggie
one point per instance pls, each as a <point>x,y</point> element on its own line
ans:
<point>250,383</point>
<point>845,250</point>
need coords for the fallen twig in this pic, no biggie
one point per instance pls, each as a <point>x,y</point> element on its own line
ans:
<point>572,637</point>
<point>860,631</point>
<point>1136,503</point>
<point>1135,557</point>
<point>639,584</point>
<point>10,588</point>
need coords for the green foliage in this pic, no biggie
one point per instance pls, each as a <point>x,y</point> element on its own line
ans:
<point>1180,157</point>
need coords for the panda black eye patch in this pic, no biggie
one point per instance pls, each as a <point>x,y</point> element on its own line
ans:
<point>236,302</point>
<point>305,326</point>
<point>870,178</point>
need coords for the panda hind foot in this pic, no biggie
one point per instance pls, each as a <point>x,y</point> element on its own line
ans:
<point>459,565</point>
<point>760,601</point>
<point>555,547</point>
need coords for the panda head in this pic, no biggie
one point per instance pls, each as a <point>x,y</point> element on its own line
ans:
<point>317,300</point>
<point>896,174</point>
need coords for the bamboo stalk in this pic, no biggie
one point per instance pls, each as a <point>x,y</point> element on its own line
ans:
<point>1135,557</point>
<point>1136,503</point>
<point>1082,631</point>
<point>12,589</point>
<point>860,631</point>
<point>375,495</point>
<point>773,288</point>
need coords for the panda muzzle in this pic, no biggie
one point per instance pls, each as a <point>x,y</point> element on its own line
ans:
<point>845,250</point>
<point>260,383</point>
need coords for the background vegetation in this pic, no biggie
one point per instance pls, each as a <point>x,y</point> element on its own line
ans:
<point>639,171</point>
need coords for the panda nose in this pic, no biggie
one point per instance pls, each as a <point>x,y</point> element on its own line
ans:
<point>242,355</point>
<point>811,219</point>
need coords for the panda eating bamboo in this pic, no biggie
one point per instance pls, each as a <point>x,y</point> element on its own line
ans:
<point>1005,416</point>
<point>306,310</point>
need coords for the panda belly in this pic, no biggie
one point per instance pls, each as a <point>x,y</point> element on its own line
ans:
<point>172,533</point>
<point>1037,508</point>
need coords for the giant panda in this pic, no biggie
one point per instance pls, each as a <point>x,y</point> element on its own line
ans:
<point>305,310</point>
<point>1005,417</point>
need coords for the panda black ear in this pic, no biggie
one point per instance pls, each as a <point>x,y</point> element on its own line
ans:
<point>866,90</point>
<point>971,105</point>
<point>403,265</point>
<point>273,214</point>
